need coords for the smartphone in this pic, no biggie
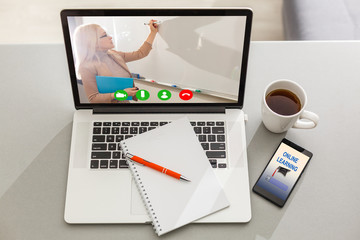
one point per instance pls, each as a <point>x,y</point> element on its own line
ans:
<point>282,172</point>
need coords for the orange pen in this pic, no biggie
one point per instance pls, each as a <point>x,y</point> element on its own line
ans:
<point>156,167</point>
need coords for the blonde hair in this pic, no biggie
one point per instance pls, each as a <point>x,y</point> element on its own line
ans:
<point>86,42</point>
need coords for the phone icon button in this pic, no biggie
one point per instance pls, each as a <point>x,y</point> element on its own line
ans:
<point>164,94</point>
<point>186,95</point>
<point>142,95</point>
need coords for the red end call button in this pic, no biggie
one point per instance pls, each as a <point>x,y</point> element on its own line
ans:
<point>186,95</point>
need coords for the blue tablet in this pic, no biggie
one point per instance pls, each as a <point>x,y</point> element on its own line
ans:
<point>112,84</point>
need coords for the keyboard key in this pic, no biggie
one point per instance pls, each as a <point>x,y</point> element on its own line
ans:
<point>217,146</point>
<point>116,124</point>
<point>113,163</point>
<point>163,123</point>
<point>220,138</point>
<point>202,138</point>
<point>135,124</point>
<point>124,130</point>
<point>211,138</point>
<point>100,155</point>
<point>142,130</point>
<point>116,155</point>
<point>213,163</point>
<point>145,124</point>
<point>201,123</point>
<point>220,123</point>
<point>94,164</point>
<point>104,163</point>
<point>197,130</point>
<point>210,123</point>
<point>106,130</point>
<point>193,123</point>
<point>128,136</point>
<point>115,130</point>
<point>151,128</point>
<point>119,138</point>
<point>205,146</point>
<point>126,123</point>
<point>123,164</point>
<point>133,130</point>
<point>107,123</point>
<point>206,130</point>
<point>97,130</point>
<point>154,124</point>
<point>99,146</point>
<point>216,154</point>
<point>222,165</point>
<point>99,138</point>
<point>97,124</point>
<point>218,130</point>
<point>110,138</point>
<point>112,146</point>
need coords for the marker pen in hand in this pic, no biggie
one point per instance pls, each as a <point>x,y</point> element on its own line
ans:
<point>158,22</point>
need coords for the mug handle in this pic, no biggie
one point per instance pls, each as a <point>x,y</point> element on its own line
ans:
<point>312,117</point>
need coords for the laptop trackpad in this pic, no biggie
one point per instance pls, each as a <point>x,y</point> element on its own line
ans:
<point>137,204</point>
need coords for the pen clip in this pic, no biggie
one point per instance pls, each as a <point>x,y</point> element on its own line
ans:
<point>128,156</point>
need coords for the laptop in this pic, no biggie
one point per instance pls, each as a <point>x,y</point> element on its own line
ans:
<point>184,62</point>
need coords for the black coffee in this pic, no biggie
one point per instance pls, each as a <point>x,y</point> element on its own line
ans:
<point>283,102</point>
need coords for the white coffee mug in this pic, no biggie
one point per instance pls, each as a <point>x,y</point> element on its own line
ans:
<point>278,123</point>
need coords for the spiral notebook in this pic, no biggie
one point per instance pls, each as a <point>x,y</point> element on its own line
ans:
<point>172,203</point>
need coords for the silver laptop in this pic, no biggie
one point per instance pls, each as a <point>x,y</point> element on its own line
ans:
<point>133,70</point>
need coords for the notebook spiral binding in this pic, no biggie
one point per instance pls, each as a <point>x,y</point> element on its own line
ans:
<point>142,191</point>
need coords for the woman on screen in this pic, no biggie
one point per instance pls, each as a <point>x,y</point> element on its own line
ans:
<point>95,56</point>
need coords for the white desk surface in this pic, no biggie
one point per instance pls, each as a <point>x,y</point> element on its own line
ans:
<point>36,116</point>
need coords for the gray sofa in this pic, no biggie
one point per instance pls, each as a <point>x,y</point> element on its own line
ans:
<point>321,19</point>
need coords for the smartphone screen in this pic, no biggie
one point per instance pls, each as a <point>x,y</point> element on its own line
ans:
<point>282,172</point>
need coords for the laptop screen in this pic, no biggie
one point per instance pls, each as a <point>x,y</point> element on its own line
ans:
<point>157,56</point>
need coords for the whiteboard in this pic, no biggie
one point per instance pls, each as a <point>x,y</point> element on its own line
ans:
<point>191,52</point>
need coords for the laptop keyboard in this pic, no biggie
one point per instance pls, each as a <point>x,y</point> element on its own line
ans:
<point>106,152</point>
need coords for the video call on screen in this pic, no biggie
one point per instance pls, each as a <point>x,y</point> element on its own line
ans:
<point>192,59</point>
